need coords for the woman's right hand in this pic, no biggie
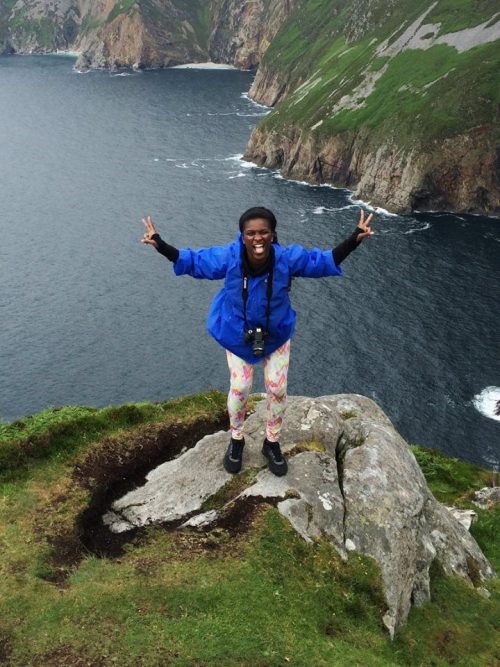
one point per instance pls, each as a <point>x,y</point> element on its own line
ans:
<point>150,232</point>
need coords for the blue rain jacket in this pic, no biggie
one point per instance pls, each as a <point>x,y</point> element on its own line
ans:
<point>225,318</point>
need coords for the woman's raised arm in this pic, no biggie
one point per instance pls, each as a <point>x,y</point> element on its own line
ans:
<point>210,263</point>
<point>363,230</point>
<point>151,237</point>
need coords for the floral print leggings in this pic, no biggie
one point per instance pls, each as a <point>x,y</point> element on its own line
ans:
<point>275,380</point>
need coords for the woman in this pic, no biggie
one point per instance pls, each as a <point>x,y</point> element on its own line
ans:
<point>251,316</point>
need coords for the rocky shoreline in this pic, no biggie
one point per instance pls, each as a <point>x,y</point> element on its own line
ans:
<point>416,168</point>
<point>460,175</point>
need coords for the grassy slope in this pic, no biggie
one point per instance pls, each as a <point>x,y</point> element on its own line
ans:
<point>264,598</point>
<point>312,45</point>
<point>43,30</point>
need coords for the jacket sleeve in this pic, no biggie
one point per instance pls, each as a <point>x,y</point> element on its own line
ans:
<point>209,263</point>
<point>314,263</point>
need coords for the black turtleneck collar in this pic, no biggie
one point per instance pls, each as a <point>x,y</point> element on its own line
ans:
<point>265,268</point>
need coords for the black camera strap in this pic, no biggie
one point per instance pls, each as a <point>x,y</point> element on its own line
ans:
<point>269,293</point>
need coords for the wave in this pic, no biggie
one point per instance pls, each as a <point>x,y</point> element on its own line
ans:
<point>241,114</point>
<point>243,163</point>
<point>488,402</point>
<point>257,104</point>
<point>260,114</point>
<point>426,225</point>
<point>375,209</point>
<point>206,65</point>
<point>319,210</point>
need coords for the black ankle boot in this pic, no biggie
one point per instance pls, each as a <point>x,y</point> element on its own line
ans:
<point>277,463</point>
<point>234,455</point>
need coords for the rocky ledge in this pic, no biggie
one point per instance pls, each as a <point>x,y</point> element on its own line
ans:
<point>459,174</point>
<point>352,479</point>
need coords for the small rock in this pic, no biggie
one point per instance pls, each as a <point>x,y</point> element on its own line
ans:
<point>487,496</point>
<point>349,545</point>
<point>465,517</point>
<point>201,520</point>
<point>484,592</point>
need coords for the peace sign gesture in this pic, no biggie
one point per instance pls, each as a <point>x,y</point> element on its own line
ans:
<point>365,226</point>
<point>150,231</point>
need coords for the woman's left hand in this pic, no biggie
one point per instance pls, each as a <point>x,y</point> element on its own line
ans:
<point>365,226</point>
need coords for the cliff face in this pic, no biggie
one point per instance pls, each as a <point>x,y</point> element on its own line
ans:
<point>29,26</point>
<point>144,33</point>
<point>461,174</point>
<point>243,30</point>
<point>396,101</point>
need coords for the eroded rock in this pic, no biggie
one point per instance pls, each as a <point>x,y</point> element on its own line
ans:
<point>352,479</point>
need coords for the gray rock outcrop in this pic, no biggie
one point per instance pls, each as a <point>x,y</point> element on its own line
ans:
<point>352,479</point>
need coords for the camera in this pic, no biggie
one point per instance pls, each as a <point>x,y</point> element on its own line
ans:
<point>256,337</point>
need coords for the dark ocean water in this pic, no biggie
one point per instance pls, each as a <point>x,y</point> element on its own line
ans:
<point>90,316</point>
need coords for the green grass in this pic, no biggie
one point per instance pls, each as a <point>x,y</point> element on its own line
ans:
<point>451,481</point>
<point>264,597</point>
<point>424,96</point>
<point>62,432</point>
<point>454,15</point>
<point>120,7</point>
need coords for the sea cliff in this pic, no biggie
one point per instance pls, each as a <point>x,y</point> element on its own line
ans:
<point>398,101</point>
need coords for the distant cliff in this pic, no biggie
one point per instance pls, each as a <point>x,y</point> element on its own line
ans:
<point>398,101</point>
<point>144,33</point>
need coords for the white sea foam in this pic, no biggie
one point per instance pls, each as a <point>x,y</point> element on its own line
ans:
<point>239,159</point>
<point>276,174</point>
<point>425,226</point>
<point>259,114</point>
<point>207,65</point>
<point>65,54</point>
<point>319,210</point>
<point>375,209</point>
<point>239,175</point>
<point>488,402</point>
<point>257,104</point>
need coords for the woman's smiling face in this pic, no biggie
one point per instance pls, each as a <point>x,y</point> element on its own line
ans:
<point>258,238</point>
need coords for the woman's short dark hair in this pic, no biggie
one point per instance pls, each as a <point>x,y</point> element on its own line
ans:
<point>258,212</point>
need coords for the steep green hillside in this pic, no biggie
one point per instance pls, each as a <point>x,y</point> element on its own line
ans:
<point>250,593</point>
<point>401,99</point>
<point>333,50</point>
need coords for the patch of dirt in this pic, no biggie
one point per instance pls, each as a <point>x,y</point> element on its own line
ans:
<point>445,644</point>
<point>71,522</point>
<point>114,473</point>
<point>65,656</point>
<point>5,647</point>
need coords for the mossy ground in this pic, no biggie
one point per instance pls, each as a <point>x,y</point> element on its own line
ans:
<point>266,598</point>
